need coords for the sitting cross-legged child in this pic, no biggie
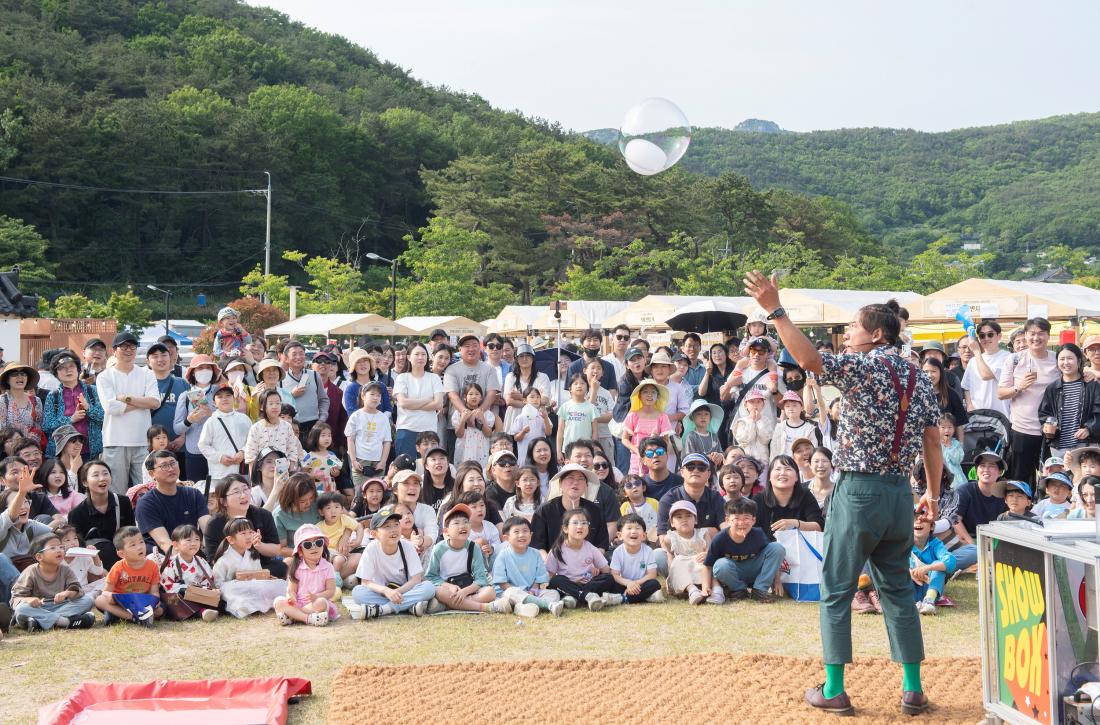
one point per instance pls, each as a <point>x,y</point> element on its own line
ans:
<point>633,565</point>
<point>246,587</point>
<point>47,593</point>
<point>132,591</point>
<point>311,581</point>
<point>390,574</point>
<point>457,569</point>
<point>520,575</point>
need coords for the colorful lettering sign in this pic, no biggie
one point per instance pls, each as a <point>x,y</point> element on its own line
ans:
<point>1019,601</point>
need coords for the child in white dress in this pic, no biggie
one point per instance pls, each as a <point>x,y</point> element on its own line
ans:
<point>246,587</point>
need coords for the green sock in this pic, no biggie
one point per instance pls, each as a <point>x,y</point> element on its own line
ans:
<point>910,677</point>
<point>834,681</point>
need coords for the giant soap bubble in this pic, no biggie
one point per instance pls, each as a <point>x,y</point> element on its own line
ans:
<point>654,135</point>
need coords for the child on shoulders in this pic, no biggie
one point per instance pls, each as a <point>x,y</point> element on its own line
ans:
<point>311,582</point>
<point>47,593</point>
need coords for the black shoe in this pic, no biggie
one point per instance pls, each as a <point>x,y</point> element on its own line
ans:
<point>763,596</point>
<point>738,595</point>
<point>85,621</point>
<point>109,619</point>
<point>29,624</point>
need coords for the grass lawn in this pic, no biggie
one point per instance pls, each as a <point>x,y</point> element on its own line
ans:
<point>46,667</point>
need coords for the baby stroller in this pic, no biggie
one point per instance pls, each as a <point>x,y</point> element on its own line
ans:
<point>987,430</point>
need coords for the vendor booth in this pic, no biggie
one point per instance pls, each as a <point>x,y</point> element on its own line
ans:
<point>454,326</point>
<point>1008,300</point>
<point>331,325</point>
<point>1039,621</point>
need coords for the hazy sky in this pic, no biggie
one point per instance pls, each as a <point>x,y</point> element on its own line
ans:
<point>806,64</point>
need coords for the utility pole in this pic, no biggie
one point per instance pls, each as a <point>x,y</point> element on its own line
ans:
<point>267,236</point>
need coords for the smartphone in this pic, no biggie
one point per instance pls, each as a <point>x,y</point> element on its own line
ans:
<point>282,467</point>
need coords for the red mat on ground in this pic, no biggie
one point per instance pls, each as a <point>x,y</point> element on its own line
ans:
<point>172,702</point>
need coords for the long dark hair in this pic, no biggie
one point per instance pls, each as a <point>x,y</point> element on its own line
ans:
<point>234,527</point>
<point>44,472</point>
<point>428,482</point>
<point>520,384</point>
<point>555,550</point>
<point>942,387</point>
<point>460,475</point>
<point>552,466</point>
<point>313,438</point>
<point>538,484</point>
<point>1076,351</point>
<point>798,492</point>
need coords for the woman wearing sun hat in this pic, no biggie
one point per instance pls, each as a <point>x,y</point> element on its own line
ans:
<point>645,419</point>
<point>74,403</point>
<point>20,409</point>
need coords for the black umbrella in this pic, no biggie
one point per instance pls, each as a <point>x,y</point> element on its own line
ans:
<point>707,316</point>
<point>546,361</point>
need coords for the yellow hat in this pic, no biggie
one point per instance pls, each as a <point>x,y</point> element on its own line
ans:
<point>636,398</point>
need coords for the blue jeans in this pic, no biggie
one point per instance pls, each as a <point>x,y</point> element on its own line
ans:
<point>758,572</point>
<point>47,614</point>
<point>661,557</point>
<point>405,442</point>
<point>422,592</point>
<point>966,556</point>
<point>936,580</point>
<point>8,575</point>
<point>622,456</point>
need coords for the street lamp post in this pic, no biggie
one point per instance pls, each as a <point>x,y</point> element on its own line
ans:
<point>393,281</point>
<point>167,296</point>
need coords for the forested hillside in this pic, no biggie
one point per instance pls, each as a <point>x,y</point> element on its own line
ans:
<point>484,207</point>
<point>1021,186</point>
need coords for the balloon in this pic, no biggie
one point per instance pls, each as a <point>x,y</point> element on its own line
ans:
<point>963,316</point>
<point>654,135</point>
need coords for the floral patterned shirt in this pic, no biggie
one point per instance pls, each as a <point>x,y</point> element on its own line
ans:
<point>869,410</point>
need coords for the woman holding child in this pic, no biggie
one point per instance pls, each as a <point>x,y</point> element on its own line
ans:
<point>232,499</point>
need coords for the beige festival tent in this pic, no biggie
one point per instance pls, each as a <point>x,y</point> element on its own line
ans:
<point>651,311</point>
<point>330,325</point>
<point>1008,300</point>
<point>579,315</point>
<point>453,326</point>
<point>514,319</point>
<point>830,307</point>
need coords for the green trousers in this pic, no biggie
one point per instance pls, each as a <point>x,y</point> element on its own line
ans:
<point>870,521</point>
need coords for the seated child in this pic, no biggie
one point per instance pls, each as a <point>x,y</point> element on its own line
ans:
<point>635,502</point>
<point>457,569</point>
<point>633,566</point>
<point>1017,496</point>
<point>577,569</point>
<point>47,593</point>
<point>230,339</point>
<point>520,573</point>
<point>1056,505</point>
<point>85,563</point>
<point>372,496</point>
<point>184,567</point>
<point>741,558</point>
<point>344,533</point>
<point>930,565</point>
<point>390,575</point>
<point>686,548</point>
<point>528,496</point>
<point>246,587</point>
<point>483,533</point>
<point>132,591</point>
<point>701,428</point>
<point>311,581</point>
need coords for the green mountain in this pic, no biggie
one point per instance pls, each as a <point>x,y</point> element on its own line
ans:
<point>1019,186</point>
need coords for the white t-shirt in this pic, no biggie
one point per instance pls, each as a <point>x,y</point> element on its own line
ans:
<point>427,385</point>
<point>619,365</point>
<point>122,427</point>
<point>983,393</point>
<point>633,566</point>
<point>368,431</point>
<point>381,568</point>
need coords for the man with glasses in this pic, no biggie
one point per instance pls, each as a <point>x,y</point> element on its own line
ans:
<point>620,341</point>
<point>494,353</point>
<point>691,346</point>
<point>167,505</point>
<point>573,481</point>
<point>979,382</point>
<point>583,452</point>
<point>169,390</point>
<point>128,394</point>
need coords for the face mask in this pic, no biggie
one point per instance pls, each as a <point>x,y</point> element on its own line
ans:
<point>796,384</point>
<point>236,376</point>
<point>203,377</point>
<point>591,353</point>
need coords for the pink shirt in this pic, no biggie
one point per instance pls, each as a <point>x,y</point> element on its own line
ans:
<point>314,581</point>
<point>576,564</point>
<point>644,428</point>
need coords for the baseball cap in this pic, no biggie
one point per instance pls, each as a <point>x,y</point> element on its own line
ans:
<point>61,358</point>
<point>456,510</point>
<point>124,338</point>
<point>222,387</point>
<point>524,349</point>
<point>634,352</point>
<point>402,476</point>
<point>466,338</point>
<point>156,347</point>
<point>501,454</point>
<point>755,394</point>
<point>1000,488</point>
<point>931,345</point>
<point>438,333</point>
<point>993,455</point>
<point>1090,341</point>
<point>95,342</point>
<point>324,357</point>
<point>760,342</point>
<point>791,396</point>
<point>168,340</point>
<point>383,515</point>
<point>697,458</point>
<point>682,506</point>
<point>1054,461</point>
<point>1058,478</point>
<point>268,451</point>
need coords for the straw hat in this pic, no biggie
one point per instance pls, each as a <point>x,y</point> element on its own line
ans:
<point>636,397</point>
<point>266,364</point>
<point>32,376</point>
<point>356,355</point>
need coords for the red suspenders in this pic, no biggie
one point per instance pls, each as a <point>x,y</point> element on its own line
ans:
<point>904,399</point>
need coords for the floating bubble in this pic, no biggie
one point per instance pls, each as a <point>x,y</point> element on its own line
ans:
<point>654,135</point>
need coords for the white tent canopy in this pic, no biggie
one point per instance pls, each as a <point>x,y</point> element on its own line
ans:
<point>453,326</point>
<point>339,324</point>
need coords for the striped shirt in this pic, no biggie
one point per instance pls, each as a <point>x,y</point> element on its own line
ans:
<point>1070,413</point>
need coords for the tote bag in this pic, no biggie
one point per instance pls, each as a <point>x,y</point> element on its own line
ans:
<point>800,572</point>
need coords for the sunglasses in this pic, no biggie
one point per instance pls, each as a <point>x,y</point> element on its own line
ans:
<point>696,467</point>
<point>622,337</point>
<point>310,544</point>
<point>654,452</point>
<point>632,484</point>
<point>601,466</point>
<point>987,335</point>
<point>505,464</point>
<point>493,346</point>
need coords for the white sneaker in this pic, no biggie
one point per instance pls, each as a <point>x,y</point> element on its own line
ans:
<point>209,615</point>
<point>284,619</point>
<point>569,602</point>
<point>356,611</point>
<point>557,608</point>
<point>696,597</point>
<point>146,614</point>
<point>530,609</point>
<point>317,619</point>
<point>595,601</point>
<point>928,608</point>
<point>613,600</point>
<point>420,609</point>
<point>503,606</point>
<point>656,597</point>
<point>435,606</point>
